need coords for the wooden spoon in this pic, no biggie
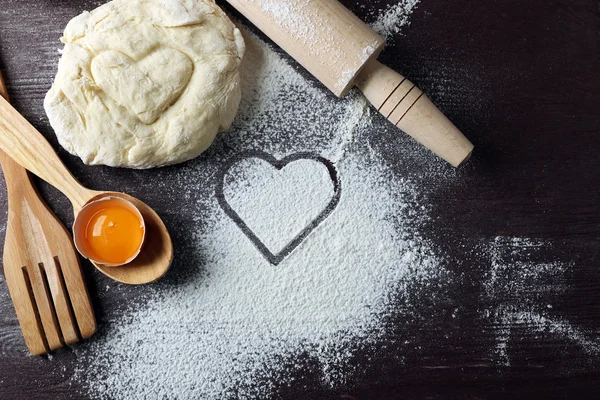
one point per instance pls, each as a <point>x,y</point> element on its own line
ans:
<point>24,144</point>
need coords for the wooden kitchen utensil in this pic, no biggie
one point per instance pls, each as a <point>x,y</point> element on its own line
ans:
<point>41,267</point>
<point>21,141</point>
<point>341,51</point>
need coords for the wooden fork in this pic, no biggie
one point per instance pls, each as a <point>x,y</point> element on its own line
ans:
<point>41,267</point>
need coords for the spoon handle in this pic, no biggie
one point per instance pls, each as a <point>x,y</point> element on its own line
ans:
<point>28,147</point>
<point>15,176</point>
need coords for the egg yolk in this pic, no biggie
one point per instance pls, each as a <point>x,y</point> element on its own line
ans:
<point>113,233</point>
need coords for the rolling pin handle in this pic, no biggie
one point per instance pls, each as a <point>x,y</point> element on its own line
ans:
<point>407,107</point>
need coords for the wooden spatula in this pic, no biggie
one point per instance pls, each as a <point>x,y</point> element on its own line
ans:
<point>41,267</point>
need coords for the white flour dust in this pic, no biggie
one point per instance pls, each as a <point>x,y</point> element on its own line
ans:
<point>305,187</point>
<point>513,274</point>
<point>518,321</point>
<point>219,335</point>
<point>394,18</point>
<point>224,332</point>
<point>520,290</point>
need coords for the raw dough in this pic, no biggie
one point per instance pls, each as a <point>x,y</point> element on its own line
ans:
<point>146,83</point>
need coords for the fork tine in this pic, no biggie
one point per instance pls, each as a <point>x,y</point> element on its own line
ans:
<point>45,307</point>
<point>68,263</point>
<point>21,294</point>
<point>36,244</point>
<point>61,301</point>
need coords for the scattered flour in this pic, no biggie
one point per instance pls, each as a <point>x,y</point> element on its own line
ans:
<point>219,335</point>
<point>289,199</point>
<point>394,18</point>
<point>516,320</point>
<point>520,287</point>
<point>513,272</point>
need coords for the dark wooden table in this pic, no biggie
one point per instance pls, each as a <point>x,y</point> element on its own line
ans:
<point>522,80</point>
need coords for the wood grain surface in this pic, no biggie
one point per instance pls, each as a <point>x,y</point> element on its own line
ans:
<point>521,79</point>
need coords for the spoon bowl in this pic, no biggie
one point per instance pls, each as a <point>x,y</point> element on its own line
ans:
<point>24,144</point>
<point>156,255</point>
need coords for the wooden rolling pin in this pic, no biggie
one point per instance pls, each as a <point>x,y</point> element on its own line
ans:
<point>341,51</point>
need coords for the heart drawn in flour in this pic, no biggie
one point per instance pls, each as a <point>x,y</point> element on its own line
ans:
<point>147,86</point>
<point>278,203</point>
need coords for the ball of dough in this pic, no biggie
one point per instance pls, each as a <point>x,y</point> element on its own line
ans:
<point>146,83</point>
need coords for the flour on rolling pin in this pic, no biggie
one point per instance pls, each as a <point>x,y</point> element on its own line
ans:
<point>325,31</point>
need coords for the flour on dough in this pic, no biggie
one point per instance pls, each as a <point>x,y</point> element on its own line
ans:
<point>146,83</point>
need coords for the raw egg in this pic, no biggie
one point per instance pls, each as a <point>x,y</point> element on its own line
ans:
<point>109,231</point>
